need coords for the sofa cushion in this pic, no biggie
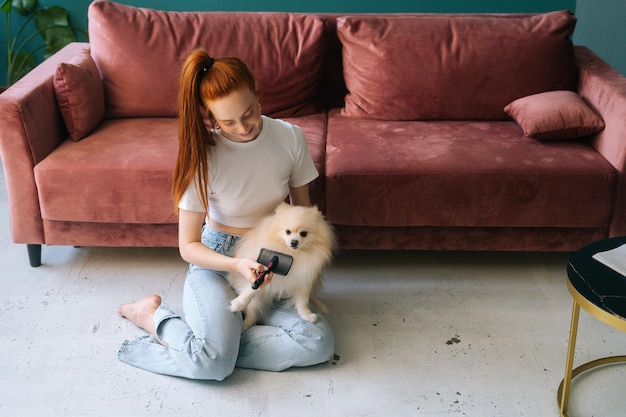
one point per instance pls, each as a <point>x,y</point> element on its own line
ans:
<point>453,67</point>
<point>140,51</point>
<point>554,115</point>
<point>461,173</point>
<point>121,173</point>
<point>79,94</point>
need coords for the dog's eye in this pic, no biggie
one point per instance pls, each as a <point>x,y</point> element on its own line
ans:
<point>288,232</point>
<point>304,233</point>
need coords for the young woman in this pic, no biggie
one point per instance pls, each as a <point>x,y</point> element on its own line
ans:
<point>227,177</point>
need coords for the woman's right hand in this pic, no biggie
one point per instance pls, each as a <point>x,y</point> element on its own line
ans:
<point>194,251</point>
<point>251,269</point>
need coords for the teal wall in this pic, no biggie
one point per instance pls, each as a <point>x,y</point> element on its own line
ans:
<point>602,27</point>
<point>78,8</point>
<point>599,20</point>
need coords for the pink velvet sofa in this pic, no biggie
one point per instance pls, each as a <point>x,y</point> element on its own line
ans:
<point>442,132</point>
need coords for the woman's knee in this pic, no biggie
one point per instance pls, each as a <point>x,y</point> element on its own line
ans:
<point>211,366</point>
<point>324,347</point>
<point>319,343</point>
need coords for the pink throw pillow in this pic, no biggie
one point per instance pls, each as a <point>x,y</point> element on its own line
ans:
<point>554,115</point>
<point>79,94</point>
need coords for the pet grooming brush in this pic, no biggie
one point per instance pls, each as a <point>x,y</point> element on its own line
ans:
<point>276,262</point>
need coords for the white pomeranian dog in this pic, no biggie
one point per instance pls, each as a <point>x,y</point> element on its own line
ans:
<point>304,234</point>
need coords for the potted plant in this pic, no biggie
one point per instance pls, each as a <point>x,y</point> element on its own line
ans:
<point>51,26</point>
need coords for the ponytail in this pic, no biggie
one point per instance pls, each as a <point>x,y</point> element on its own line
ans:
<point>202,79</point>
<point>193,135</point>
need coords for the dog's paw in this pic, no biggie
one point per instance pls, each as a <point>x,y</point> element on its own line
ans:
<point>310,317</point>
<point>237,304</point>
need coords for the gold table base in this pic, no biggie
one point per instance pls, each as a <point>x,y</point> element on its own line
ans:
<point>579,370</point>
<point>616,322</point>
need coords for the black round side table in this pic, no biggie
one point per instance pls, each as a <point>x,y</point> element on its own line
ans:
<point>601,292</point>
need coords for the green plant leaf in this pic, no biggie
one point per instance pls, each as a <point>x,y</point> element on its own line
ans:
<point>23,62</point>
<point>6,6</point>
<point>24,7</point>
<point>53,25</point>
<point>23,46</point>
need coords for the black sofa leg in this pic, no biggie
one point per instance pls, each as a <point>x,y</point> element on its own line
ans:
<point>34,255</point>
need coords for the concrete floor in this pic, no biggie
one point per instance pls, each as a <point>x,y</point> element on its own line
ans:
<point>417,334</point>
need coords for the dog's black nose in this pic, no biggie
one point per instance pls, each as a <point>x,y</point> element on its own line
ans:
<point>294,243</point>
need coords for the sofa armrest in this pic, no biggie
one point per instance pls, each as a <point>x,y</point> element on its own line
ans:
<point>31,127</point>
<point>605,89</point>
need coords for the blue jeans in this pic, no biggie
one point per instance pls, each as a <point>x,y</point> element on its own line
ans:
<point>208,343</point>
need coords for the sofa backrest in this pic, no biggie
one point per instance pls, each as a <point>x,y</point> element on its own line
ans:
<point>390,66</point>
<point>139,53</point>
<point>425,66</point>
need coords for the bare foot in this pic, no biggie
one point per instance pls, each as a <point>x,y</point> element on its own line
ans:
<point>141,313</point>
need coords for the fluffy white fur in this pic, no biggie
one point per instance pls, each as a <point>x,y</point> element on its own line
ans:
<point>300,232</point>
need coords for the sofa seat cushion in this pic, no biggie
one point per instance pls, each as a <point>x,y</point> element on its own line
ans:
<point>121,173</point>
<point>461,173</point>
<point>444,67</point>
<point>139,53</point>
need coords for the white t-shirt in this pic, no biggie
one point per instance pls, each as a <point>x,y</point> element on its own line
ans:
<point>248,180</point>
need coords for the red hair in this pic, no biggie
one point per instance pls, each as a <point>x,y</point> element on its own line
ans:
<point>202,80</point>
